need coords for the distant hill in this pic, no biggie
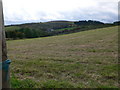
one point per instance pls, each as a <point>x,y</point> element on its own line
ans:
<point>117,23</point>
<point>46,25</point>
<point>50,28</point>
<point>60,21</point>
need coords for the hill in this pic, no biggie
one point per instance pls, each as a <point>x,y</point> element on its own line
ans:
<point>51,28</point>
<point>86,59</point>
<point>43,25</point>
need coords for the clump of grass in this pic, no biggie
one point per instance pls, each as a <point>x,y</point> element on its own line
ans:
<point>26,83</point>
<point>56,84</point>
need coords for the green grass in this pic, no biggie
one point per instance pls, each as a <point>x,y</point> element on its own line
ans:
<point>86,59</point>
<point>12,28</point>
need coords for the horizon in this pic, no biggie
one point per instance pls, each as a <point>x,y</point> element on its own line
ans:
<point>56,21</point>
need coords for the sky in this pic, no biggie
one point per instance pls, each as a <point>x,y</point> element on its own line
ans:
<point>27,11</point>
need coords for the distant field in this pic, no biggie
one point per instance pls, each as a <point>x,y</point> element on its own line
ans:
<point>87,59</point>
<point>12,28</point>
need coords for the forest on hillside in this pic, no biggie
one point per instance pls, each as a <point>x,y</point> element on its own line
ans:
<point>34,30</point>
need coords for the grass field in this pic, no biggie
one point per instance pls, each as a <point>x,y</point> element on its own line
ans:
<point>12,28</point>
<point>87,59</point>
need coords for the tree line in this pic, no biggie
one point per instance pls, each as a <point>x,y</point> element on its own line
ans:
<point>25,33</point>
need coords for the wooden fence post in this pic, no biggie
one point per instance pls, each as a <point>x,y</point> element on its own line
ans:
<point>0,48</point>
<point>5,69</point>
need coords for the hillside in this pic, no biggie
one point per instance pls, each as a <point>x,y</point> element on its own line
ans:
<point>80,60</point>
<point>51,28</point>
<point>43,25</point>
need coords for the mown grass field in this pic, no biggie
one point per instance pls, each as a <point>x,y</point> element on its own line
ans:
<point>87,59</point>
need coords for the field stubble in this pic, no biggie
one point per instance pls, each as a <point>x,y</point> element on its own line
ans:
<point>86,59</point>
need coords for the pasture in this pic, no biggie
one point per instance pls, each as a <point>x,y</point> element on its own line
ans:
<point>87,59</point>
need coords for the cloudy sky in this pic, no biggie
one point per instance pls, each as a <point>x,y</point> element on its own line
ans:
<point>26,11</point>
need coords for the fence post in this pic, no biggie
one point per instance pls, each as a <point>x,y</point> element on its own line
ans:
<point>0,48</point>
<point>5,69</point>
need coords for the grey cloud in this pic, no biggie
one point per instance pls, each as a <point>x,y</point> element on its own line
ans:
<point>104,11</point>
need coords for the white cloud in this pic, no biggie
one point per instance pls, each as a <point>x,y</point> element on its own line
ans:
<point>21,11</point>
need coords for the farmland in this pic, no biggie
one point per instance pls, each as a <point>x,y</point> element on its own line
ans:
<point>87,59</point>
<point>52,28</point>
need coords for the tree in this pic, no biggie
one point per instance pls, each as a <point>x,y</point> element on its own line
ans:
<point>28,33</point>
